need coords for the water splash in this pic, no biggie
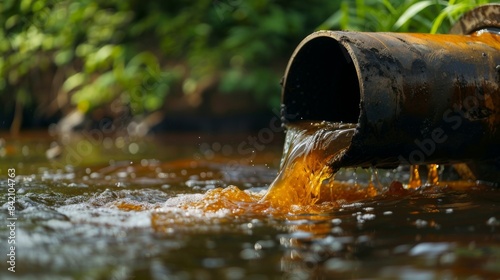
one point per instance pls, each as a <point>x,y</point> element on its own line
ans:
<point>304,184</point>
<point>309,148</point>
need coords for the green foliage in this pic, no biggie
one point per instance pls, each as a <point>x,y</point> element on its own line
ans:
<point>138,52</point>
<point>431,16</point>
<point>86,40</point>
<point>96,52</point>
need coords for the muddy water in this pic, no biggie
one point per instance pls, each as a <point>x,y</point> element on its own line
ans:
<point>191,209</point>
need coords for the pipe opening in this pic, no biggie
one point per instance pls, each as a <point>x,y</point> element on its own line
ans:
<point>322,83</point>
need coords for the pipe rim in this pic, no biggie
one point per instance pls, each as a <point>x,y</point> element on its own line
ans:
<point>343,86</point>
<point>482,17</point>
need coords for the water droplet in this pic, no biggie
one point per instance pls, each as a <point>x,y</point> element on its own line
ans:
<point>492,222</point>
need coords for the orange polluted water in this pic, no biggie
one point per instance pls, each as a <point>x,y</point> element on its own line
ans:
<point>304,183</point>
<point>309,148</point>
<point>432,176</point>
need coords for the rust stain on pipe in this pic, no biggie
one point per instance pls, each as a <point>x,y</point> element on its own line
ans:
<point>417,98</point>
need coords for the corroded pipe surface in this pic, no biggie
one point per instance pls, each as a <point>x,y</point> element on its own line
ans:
<point>417,98</point>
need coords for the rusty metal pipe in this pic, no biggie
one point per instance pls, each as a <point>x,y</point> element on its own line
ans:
<point>417,98</point>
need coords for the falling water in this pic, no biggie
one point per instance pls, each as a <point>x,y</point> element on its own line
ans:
<point>309,150</point>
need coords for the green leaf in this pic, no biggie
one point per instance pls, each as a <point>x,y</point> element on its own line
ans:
<point>63,57</point>
<point>106,80</point>
<point>103,53</point>
<point>447,12</point>
<point>331,22</point>
<point>25,5</point>
<point>411,12</point>
<point>73,82</point>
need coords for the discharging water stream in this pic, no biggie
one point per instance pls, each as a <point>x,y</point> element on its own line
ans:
<point>189,207</point>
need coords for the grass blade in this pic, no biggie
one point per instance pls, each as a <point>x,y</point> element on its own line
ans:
<point>411,12</point>
<point>449,11</point>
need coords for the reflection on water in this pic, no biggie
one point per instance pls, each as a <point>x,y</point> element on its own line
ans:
<point>147,216</point>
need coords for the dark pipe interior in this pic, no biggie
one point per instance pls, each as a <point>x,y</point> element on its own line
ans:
<point>322,84</point>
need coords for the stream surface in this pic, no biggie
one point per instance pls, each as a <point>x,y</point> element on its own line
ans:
<point>192,207</point>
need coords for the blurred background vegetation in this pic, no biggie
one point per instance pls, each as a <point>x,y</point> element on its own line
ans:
<point>171,63</point>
